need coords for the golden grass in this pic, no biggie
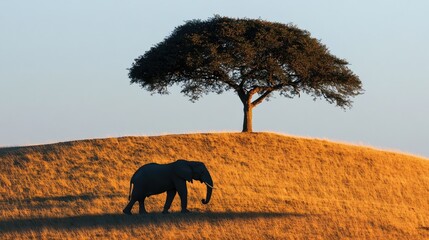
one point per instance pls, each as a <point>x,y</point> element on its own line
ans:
<point>268,186</point>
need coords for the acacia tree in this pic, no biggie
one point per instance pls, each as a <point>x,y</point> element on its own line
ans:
<point>254,58</point>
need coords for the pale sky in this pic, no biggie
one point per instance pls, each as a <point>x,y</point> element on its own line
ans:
<point>63,72</point>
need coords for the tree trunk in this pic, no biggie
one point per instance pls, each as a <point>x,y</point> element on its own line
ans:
<point>247,122</point>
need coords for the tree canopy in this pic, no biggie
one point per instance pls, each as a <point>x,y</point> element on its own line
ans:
<point>252,57</point>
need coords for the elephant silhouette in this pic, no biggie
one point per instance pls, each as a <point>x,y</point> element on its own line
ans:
<point>153,178</point>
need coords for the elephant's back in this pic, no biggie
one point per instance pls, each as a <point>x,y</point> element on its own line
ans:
<point>152,172</point>
<point>153,167</point>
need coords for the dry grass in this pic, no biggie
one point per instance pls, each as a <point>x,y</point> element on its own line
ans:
<point>268,186</point>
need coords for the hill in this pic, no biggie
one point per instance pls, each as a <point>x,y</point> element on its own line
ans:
<point>267,186</point>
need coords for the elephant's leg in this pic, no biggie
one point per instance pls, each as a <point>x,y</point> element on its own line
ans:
<point>127,209</point>
<point>183,194</point>
<point>170,196</point>
<point>142,209</point>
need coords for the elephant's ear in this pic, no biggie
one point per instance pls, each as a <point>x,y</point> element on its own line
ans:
<point>183,170</point>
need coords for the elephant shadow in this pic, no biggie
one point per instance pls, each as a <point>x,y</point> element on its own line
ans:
<point>65,198</point>
<point>121,220</point>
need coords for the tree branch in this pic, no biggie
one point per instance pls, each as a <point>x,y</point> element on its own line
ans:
<point>232,85</point>
<point>242,83</point>
<point>261,98</point>
<point>268,91</point>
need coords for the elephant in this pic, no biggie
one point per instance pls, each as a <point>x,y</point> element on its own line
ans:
<point>153,178</point>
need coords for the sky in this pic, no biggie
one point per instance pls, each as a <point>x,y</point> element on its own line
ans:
<point>63,72</point>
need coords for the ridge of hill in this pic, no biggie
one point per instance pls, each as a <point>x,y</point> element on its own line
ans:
<point>267,185</point>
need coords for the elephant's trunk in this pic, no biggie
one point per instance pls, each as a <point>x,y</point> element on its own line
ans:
<point>207,179</point>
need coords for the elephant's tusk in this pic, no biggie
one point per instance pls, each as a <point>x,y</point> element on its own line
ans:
<point>210,186</point>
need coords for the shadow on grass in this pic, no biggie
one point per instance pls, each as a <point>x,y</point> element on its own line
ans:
<point>66,198</point>
<point>121,220</point>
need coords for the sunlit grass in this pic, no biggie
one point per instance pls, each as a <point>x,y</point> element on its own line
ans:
<point>267,185</point>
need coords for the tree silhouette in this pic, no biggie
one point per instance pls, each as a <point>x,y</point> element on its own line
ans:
<point>254,58</point>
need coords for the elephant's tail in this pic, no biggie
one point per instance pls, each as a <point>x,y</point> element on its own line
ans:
<point>129,194</point>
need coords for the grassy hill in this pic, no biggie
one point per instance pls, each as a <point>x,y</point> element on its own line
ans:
<point>267,186</point>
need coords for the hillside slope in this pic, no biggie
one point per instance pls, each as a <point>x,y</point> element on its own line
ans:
<point>267,185</point>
